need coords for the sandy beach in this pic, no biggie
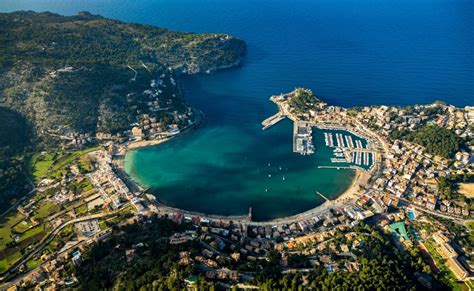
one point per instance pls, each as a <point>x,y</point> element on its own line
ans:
<point>146,143</point>
<point>345,198</point>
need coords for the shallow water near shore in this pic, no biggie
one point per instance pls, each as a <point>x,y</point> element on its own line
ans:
<point>229,163</point>
<point>349,52</point>
<point>225,170</point>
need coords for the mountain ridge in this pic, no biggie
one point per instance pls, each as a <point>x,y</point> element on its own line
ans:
<point>85,74</point>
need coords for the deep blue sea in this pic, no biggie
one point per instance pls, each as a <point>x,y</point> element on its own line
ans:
<point>350,52</point>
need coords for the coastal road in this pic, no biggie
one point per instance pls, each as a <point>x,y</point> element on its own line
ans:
<point>318,210</point>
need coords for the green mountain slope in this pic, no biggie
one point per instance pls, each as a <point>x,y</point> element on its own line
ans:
<point>85,74</point>
<point>15,137</point>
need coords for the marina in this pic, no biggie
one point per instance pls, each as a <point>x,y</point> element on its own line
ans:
<point>265,168</point>
<point>342,141</point>
<point>349,147</point>
<point>328,138</point>
<point>349,150</point>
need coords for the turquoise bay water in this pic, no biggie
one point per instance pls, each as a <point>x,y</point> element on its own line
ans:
<point>349,52</point>
<point>226,169</point>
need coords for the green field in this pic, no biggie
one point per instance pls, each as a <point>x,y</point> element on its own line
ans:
<point>8,261</point>
<point>85,164</point>
<point>103,225</point>
<point>6,226</point>
<point>84,186</point>
<point>12,254</point>
<point>40,165</point>
<point>51,165</point>
<point>446,275</point>
<point>22,226</point>
<point>32,232</point>
<point>68,158</point>
<point>45,209</point>
<point>31,264</point>
<point>81,209</point>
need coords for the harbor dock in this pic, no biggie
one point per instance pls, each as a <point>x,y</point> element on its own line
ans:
<point>349,150</point>
<point>272,120</point>
<point>277,117</point>
<point>324,197</point>
<point>353,148</point>
<point>302,138</point>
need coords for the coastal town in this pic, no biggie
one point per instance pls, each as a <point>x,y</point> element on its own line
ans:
<point>83,197</point>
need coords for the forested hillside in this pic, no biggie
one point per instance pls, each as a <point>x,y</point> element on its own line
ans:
<point>85,73</point>
<point>67,78</point>
<point>15,137</point>
<point>437,140</point>
<point>155,264</point>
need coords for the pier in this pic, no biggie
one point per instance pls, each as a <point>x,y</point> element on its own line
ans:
<point>280,115</point>
<point>324,197</point>
<point>365,150</point>
<point>272,120</point>
<point>336,167</point>
<point>351,167</point>
<point>302,138</point>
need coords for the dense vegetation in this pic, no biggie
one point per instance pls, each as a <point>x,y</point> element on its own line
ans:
<point>52,39</point>
<point>437,140</point>
<point>86,73</point>
<point>79,75</point>
<point>382,267</point>
<point>448,186</point>
<point>155,266</point>
<point>15,138</point>
<point>303,100</point>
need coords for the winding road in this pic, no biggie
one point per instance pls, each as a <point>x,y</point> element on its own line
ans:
<point>53,233</point>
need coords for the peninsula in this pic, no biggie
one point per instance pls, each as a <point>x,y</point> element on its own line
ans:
<point>72,84</point>
<point>78,81</point>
